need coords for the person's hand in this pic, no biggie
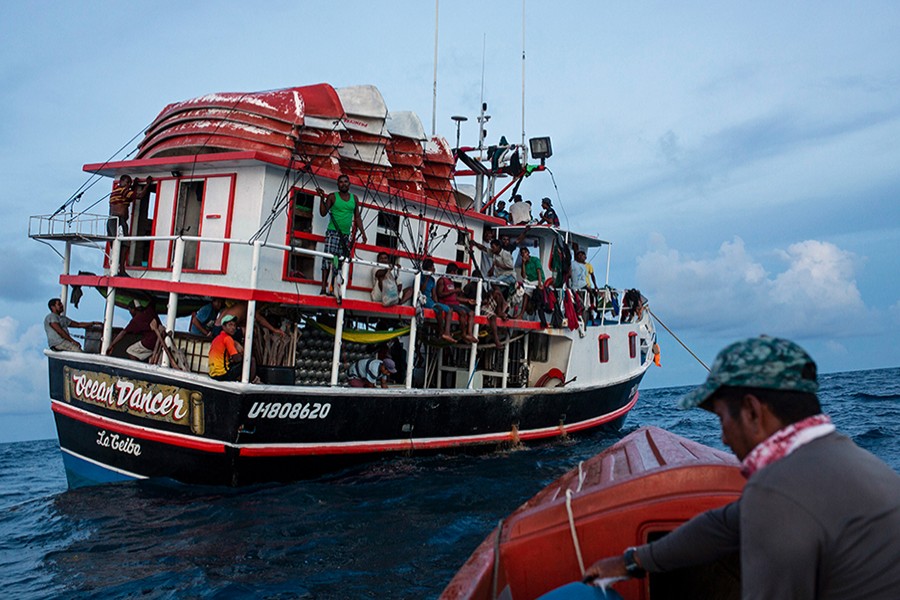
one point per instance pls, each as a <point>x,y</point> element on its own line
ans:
<point>320,192</point>
<point>614,566</point>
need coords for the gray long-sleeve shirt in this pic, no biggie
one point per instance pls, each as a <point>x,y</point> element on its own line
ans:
<point>823,522</point>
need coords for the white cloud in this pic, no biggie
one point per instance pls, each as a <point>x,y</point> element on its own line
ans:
<point>814,296</point>
<point>23,368</point>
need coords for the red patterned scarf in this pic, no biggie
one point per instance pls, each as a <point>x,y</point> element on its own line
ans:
<point>784,441</point>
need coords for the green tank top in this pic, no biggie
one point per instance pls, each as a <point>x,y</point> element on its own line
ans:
<point>342,212</point>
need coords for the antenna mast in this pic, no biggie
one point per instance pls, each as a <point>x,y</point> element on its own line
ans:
<point>434,91</point>
<point>524,147</point>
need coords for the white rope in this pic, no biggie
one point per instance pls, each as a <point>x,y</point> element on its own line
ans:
<point>575,541</point>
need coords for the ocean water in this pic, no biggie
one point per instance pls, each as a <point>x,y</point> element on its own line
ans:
<point>394,529</point>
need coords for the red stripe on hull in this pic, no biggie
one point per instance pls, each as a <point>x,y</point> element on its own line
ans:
<point>407,445</point>
<point>137,432</point>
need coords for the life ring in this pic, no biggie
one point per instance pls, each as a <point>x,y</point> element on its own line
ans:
<point>549,376</point>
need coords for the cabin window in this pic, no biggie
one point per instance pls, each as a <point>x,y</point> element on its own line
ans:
<point>603,340</point>
<point>538,347</point>
<point>142,225</point>
<point>632,344</point>
<point>388,233</point>
<point>301,266</point>
<point>188,208</point>
<point>462,247</point>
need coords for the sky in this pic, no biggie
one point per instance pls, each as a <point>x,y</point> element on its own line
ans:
<point>743,158</point>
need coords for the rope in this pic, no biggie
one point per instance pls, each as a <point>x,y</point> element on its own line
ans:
<point>575,541</point>
<point>676,339</point>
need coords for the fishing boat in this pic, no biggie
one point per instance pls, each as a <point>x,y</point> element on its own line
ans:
<point>232,212</point>
<point>632,493</point>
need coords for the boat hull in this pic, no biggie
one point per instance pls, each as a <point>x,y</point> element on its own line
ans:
<point>122,420</point>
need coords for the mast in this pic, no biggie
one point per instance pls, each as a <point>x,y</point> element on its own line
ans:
<point>434,89</point>
<point>523,81</point>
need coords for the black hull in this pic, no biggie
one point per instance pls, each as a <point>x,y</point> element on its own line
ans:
<point>198,432</point>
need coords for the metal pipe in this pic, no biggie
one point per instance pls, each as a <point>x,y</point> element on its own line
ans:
<point>339,325</point>
<point>251,314</point>
<point>67,261</point>
<point>473,354</point>
<point>172,309</point>
<point>114,252</point>
<point>413,329</point>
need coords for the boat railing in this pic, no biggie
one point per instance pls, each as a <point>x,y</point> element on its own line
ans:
<point>65,225</point>
<point>256,247</point>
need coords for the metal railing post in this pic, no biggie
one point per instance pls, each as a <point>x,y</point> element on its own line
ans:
<point>251,314</point>
<point>172,309</point>
<point>413,329</point>
<point>339,325</point>
<point>115,250</point>
<point>473,354</point>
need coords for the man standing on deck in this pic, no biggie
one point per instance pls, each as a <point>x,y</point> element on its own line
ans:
<point>342,211</point>
<point>818,518</point>
<point>125,192</point>
<point>56,326</point>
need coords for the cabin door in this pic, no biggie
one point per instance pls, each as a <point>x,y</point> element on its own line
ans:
<point>188,209</point>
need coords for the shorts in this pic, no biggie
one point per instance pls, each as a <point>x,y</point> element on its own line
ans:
<point>438,307</point>
<point>232,374</point>
<point>139,351</point>
<point>336,243</point>
<point>116,222</point>
<point>461,309</point>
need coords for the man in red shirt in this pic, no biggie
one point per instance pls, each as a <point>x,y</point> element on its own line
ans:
<point>144,322</point>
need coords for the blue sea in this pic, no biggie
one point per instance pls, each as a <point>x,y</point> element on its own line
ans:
<point>395,529</point>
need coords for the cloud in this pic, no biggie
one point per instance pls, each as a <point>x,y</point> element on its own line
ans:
<point>23,368</point>
<point>813,295</point>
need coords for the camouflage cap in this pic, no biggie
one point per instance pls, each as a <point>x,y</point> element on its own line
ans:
<point>762,362</point>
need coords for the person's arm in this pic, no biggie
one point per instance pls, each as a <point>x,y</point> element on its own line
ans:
<point>704,539</point>
<point>265,323</point>
<point>360,227</point>
<point>62,332</point>
<point>327,201</point>
<point>522,235</point>
<point>116,340</point>
<point>195,322</point>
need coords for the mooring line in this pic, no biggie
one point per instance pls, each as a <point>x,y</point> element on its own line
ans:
<point>683,345</point>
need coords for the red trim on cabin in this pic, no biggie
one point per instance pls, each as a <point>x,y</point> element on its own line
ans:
<point>153,435</point>
<point>235,293</point>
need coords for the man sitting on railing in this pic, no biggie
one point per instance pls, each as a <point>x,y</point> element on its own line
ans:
<point>385,287</point>
<point>56,326</point>
<point>446,294</point>
<point>533,272</point>
<point>145,323</point>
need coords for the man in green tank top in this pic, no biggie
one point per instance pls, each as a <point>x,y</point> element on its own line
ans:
<point>342,210</point>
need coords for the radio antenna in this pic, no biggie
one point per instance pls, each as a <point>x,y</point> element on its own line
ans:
<point>434,90</point>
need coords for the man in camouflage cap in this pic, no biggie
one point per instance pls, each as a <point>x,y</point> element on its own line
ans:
<point>819,517</point>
